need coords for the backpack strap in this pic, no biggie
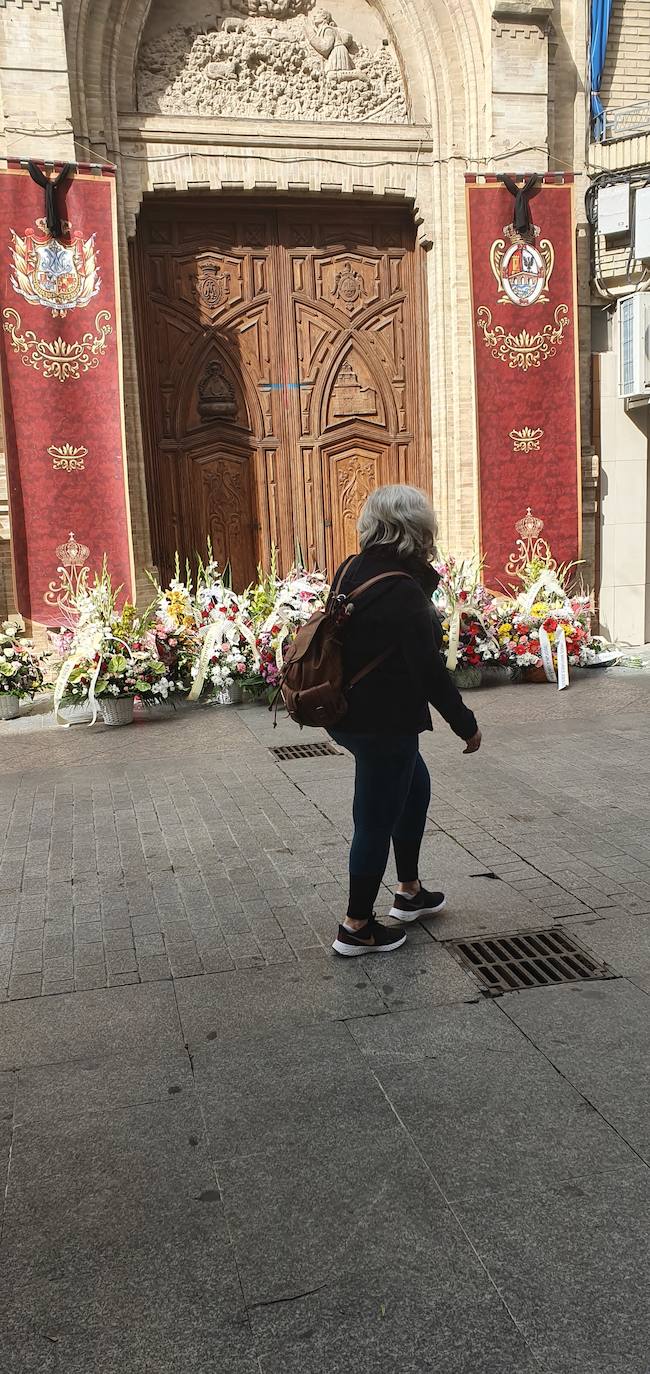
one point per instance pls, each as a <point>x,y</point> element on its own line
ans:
<point>370,667</point>
<point>381,577</point>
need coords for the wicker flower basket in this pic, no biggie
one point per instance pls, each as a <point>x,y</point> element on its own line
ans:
<point>9,706</point>
<point>117,710</point>
<point>77,713</point>
<point>465,678</point>
<point>231,695</point>
<point>536,674</point>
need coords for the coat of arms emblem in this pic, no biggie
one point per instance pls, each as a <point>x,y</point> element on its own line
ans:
<point>60,276</point>
<point>523,270</point>
<point>349,286</point>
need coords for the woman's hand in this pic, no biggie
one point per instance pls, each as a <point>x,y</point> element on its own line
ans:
<point>473,744</point>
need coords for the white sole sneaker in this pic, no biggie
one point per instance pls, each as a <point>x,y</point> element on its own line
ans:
<point>407,916</point>
<point>350,951</point>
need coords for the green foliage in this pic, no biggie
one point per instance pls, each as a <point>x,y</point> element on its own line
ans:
<point>263,596</point>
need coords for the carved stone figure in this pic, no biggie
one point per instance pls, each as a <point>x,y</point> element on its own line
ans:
<point>274,64</point>
<point>334,45</point>
<point>216,394</point>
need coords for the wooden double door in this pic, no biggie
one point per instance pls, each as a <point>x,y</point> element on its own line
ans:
<point>283,372</point>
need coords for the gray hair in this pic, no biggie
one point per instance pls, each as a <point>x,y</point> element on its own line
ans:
<point>402,517</point>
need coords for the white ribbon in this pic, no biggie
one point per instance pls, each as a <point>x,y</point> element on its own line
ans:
<point>562,659</point>
<point>547,656</point>
<point>562,676</point>
<point>85,650</point>
<point>220,631</point>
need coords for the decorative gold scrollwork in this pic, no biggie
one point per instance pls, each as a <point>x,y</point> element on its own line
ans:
<point>67,457</point>
<point>57,358</point>
<point>523,350</point>
<point>526,440</point>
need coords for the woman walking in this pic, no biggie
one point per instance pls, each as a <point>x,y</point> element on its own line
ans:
<point>394,623</point>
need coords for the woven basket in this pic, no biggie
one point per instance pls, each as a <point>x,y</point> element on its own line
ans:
<point>77,713</point>
<point>536,674</point>
<point>9,706</point>
<point>117,710</point>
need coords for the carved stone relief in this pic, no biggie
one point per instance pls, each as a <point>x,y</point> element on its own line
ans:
<point>281,59</point>
<point>216,393</point>
<point>211,280</point>
<point>350,397</point>
<point>350,285</point>
<point>356,476</point>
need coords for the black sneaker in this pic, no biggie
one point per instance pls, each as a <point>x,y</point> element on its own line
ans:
<point>412,908</point>
<point>373,938</point>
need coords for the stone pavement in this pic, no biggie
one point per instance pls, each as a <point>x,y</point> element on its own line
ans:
<point>226,1152</point>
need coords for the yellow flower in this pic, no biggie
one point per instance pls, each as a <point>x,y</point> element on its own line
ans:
<point>505,630</point>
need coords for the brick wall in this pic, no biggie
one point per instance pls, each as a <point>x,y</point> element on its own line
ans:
<point>626,78</point>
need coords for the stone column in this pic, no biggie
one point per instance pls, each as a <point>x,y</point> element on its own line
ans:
<point>35,122</point>
<point>520,82</point>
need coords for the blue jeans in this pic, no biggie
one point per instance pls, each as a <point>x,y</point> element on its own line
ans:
<point>392,791</point>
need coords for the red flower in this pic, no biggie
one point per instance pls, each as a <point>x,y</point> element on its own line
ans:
<point>521,649</point>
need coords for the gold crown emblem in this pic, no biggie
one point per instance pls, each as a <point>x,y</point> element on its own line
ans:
<point>515,237</point>
<point>72,553</point>
<point>530,527</point>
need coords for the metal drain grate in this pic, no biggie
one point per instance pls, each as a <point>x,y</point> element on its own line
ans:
<point>535,960</point>
<point>285,752</point>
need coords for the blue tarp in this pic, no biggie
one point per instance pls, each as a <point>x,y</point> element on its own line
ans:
<point>600,15</point>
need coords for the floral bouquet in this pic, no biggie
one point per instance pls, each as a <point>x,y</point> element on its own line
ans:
<point>21,673</point>
<point>297,597</point>
<point>228,651</point>
<point>519,629</point>
<point>467,613</point>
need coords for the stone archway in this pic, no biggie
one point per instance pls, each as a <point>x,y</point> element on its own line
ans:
<point>439,50</point>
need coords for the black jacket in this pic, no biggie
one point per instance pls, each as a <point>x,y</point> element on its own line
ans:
<point>398,615</point>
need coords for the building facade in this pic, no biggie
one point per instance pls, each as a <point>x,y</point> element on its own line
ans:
<point>245,133</point>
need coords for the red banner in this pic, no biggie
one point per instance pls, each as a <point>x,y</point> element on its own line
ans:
<point>60,355</point>
<point>526,360</point>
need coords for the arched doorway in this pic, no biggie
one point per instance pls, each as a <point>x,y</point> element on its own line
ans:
<point>283,373</point>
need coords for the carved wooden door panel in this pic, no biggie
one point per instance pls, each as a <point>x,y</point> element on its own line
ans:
<point>213,422</point>
<point>283,376</point>
<point>355,328</point>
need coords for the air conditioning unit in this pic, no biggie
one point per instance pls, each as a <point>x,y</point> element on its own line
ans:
<point>634,347</point>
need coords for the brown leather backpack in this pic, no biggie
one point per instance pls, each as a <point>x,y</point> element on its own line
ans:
<point>311,682</point>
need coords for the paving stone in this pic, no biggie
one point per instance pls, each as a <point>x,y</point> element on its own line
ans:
<point>116,1213</point>
<point>385,1225</point>
<point>335,1333</point>
<point>25,1350</point>
<point>24,985</point>
<point>490,1122</point>
<point>570,1265</point>
<point>239,1003</point>
<point>98,1085</point>
<point>466,1029</point>
<point>101,1022</point>
<point>598,1036</point>
<point>201,1348</point>
<point>421,974</point>
<point>622,941</point>
<point>261,1093</point>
